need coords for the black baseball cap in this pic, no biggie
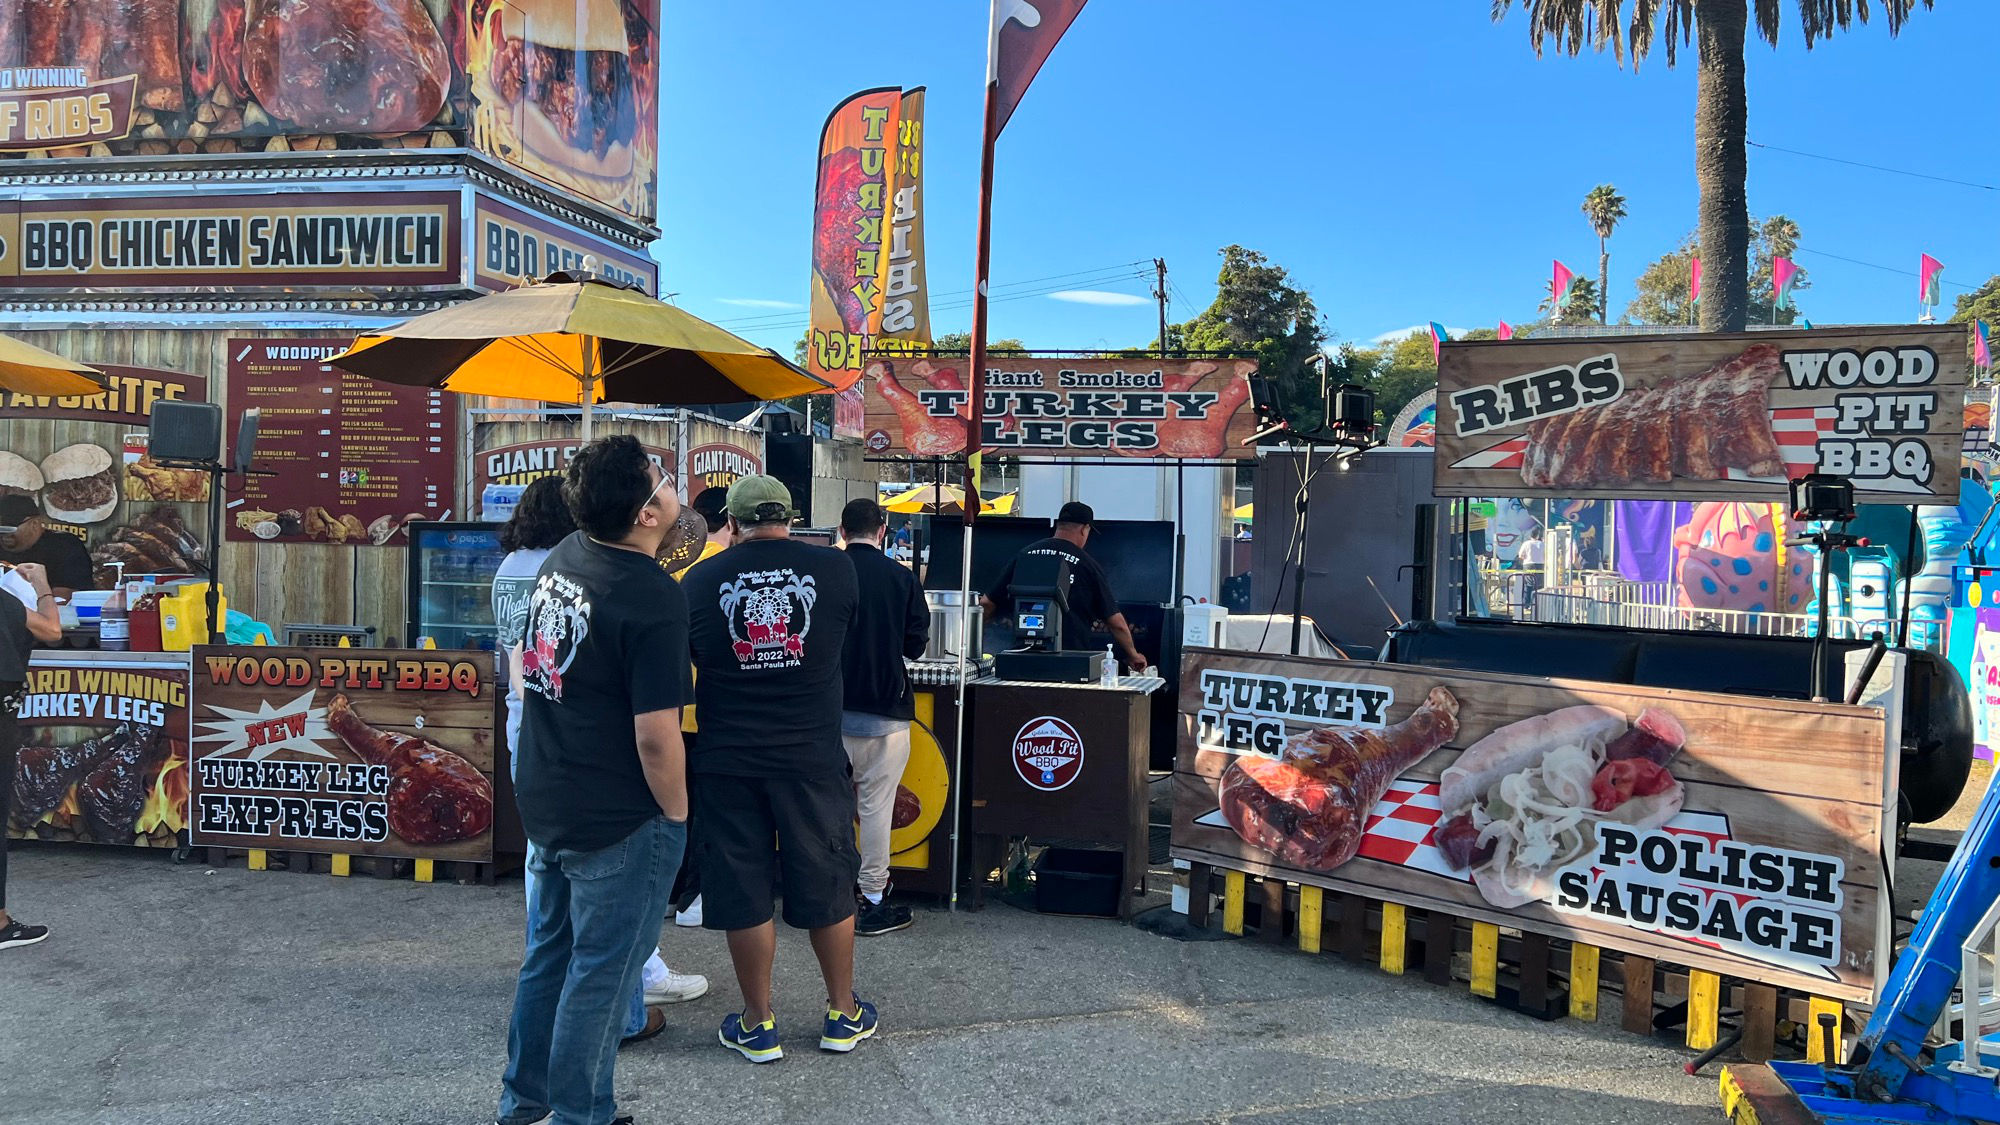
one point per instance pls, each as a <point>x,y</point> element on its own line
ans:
<point>1076,511</point>
<point>16,510</point>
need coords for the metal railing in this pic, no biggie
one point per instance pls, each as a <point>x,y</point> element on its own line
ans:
<point>1646,605</point>
<point>1978,1012</point>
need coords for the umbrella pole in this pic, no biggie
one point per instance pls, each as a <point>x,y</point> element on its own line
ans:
<point>589,384</point>
<point>968,667</point>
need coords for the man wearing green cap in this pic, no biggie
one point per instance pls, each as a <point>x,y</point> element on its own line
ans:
<point>768,622</point>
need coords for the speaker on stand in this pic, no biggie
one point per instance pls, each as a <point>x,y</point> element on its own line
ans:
<point>188,435</point>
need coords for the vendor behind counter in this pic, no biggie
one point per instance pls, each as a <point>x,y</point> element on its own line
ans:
<point>1088,600</point>
<point>26,538</point>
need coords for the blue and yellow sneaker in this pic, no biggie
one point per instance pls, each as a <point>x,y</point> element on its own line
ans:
<point>844,1030</point>
<point>758,1044</point>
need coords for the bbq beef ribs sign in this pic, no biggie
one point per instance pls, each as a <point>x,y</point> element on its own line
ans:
<point>1676,825</point>
<point>363,751</point>
<point>103,753</point>
<point>1183,408</point>
<point>1704,417</point>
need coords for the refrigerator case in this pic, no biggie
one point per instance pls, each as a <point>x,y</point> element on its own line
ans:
<point>450,583</point>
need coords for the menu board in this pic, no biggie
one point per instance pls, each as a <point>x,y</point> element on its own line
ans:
<point>353,460</point>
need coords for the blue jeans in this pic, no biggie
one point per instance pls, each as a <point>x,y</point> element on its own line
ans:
<point>635,1013</point>
<point>594,918</point>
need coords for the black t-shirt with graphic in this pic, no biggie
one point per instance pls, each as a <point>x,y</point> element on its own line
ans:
<point>606,640</point>
<point>768,620</point>
<point>1088,600</point>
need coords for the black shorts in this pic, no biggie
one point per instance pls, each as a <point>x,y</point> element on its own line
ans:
<point>794,833</point>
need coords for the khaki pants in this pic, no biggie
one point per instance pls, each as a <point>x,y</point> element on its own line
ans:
<point>878,768</point>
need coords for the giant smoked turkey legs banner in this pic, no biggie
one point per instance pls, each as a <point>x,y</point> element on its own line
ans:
<point>1705,417</point>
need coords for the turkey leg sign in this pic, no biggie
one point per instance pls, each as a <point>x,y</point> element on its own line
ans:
<point>1174,409</point>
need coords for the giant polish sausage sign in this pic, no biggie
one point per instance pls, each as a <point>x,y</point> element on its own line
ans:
<point>1171,408</point>
<point>1705,417</point>
<point>1680,826</point>
<point>364,751</point>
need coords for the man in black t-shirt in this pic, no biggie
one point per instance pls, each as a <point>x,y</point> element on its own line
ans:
<point>62,554</point>
<point>768,621</point>
<point>1088,600</point>
<point>600,779</point>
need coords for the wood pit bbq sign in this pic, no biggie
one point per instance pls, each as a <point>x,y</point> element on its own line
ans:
<point>1177,408</point>
<point>1705,417</point>
<point>368,752</point>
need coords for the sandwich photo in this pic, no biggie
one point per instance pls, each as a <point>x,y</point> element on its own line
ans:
<point>559,76</point>
<point>19,476</point>
<point>1524,802</point>
<point>81,484</point>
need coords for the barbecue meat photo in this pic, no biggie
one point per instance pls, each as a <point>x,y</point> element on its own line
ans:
<point>113,792</point>
<point>836,237</point>
<point>347,66</point>
<point>1309,806</point>
<point>1701,426</point>
<point>42,774</point>
<point>107,38</point>
<point>563,71</point>
<point>435,796</point>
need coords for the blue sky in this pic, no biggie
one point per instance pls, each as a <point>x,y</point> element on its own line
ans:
<point>1404,169</point>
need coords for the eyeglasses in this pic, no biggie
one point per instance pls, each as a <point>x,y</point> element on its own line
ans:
<point>647,502</point>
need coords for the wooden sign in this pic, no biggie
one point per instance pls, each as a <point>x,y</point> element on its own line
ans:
<point>1684,826</point>
<point>1166,408</point>
<point>103,750</point>
<point>381,752</point>
<point>1705,417</point>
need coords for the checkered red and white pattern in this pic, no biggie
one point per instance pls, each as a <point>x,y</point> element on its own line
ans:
<point>1401,827</point>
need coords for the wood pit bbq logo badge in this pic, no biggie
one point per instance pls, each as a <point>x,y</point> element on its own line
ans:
<point>1048,753</point>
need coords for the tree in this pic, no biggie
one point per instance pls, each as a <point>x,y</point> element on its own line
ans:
<point>1603,207</point>
<point>1982,303</point>
<point>962,342</point>
<point>1661,291</point>
<point>1718,29</point>
<point>1258,310</point>
<point>1580,304</point>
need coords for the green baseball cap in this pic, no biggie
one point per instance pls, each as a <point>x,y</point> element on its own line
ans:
<point>760,499</point>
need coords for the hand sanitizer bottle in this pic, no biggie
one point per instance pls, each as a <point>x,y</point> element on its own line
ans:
<point>1109,677</point>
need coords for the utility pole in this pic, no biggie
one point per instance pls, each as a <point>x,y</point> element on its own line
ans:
<point>1160,295</point>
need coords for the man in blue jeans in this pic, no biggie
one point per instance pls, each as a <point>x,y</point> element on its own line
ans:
<point>602,783</point>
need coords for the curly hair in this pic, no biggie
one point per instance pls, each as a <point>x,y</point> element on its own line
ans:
<point>540,520</point>
<point>607,484</point>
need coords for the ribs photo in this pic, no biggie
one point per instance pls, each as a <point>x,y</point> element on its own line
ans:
<point>1309,806</point>
<point>1700,426</point>
<point>435,796</point>
<point>107,38</point>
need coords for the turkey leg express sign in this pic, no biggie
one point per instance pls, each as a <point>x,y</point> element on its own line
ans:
<point>362,751</point>
<point>1705,417</point>
<point>1182,408</point>
<point>1676,825</point>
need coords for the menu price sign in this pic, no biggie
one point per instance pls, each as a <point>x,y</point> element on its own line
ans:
<point>354,459</point>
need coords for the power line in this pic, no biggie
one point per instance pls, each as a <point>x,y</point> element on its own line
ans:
<point>1874,167</point>
<point>802,320</point>
<point>1104,273</point>
<point>1883,268</point>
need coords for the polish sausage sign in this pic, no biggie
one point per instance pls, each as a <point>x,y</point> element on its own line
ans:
<point>1676,825</point>
<point>1165,408</point>
<point>1705,416</point>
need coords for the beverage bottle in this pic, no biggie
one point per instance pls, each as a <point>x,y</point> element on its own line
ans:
<point>114,624</point>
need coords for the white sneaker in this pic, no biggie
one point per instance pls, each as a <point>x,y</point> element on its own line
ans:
<point>679,987</point>
<point>691,916</point>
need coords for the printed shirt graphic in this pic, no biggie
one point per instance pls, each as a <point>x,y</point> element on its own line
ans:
<point>558,622</point>
<point>768,625</point>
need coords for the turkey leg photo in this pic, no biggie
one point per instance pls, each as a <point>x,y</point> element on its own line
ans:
<point>435,796</point>
<point>112,794</point>
<point>42,774</point>
<point>1309,805</point>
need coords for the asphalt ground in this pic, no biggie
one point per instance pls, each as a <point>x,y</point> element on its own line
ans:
<point>177,993</point>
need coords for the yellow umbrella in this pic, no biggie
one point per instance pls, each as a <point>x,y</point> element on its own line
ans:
<point>581,341</point>
<point>1246,511</point>
<point>936,499</point>
<point>1003,505</point>
<point>28,370</point>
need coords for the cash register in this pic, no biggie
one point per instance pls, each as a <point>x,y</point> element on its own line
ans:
<point>1039,595</point>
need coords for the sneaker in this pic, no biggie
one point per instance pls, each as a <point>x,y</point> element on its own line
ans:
<point>678,988</point>
<point>17,932</point>
<point>758,1044</point>
<point>843,1031</point>
<point>872,919</point>
<point>691,916</point>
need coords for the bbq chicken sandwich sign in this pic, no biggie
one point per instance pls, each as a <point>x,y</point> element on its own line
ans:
<point>1704,417</point>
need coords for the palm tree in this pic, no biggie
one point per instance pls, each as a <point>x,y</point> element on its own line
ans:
<point>1603,207</point>
<point>1582,302</point>
<point>1718,28</point>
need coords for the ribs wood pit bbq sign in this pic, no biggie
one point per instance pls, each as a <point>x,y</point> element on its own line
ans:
<point>362,751</point>
<point>1180,408</point>
<point>1704,417</point>
<point>1677,825</point>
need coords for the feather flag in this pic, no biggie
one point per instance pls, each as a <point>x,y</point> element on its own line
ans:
<point>1981,353</point>
<point>1023,32</point>
<point>1784,275</point>
<point>1559,284</point>
<point>1506,331</point>
<point>1438,337</point>
<point>1694,278</point>
<point>1929,269</point>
